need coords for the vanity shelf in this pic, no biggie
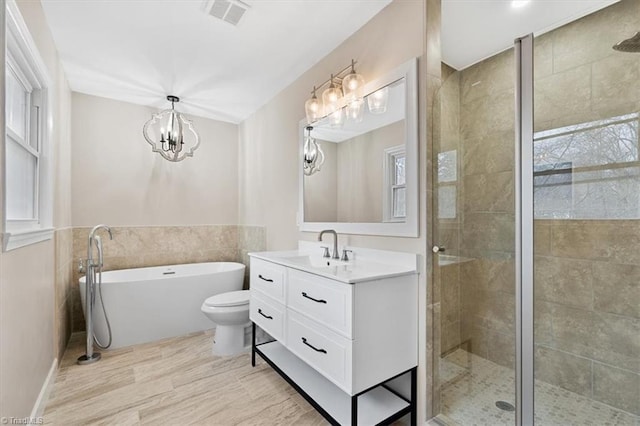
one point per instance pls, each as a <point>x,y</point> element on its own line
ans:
<point>342,331</point>
<point>380,405</point>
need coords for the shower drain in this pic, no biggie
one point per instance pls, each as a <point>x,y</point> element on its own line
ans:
<point>505,406</point>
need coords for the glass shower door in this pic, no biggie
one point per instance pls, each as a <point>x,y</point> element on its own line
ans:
<point>474,284</point>
<point>586,184</point>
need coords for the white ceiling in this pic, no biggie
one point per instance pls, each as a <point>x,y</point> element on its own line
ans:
<point>139,51</point>
<point>473,30</point>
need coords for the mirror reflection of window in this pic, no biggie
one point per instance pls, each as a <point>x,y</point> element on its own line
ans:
<point>395,188</point>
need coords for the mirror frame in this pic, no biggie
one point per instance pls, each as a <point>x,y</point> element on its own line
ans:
<point>410,227</point>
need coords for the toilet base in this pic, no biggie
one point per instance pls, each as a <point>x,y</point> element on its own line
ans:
<point>228,340</point>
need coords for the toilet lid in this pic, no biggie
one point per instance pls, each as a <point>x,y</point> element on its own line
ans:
<point>232,298</point>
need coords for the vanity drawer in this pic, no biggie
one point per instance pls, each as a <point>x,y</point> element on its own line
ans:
<point>269,316</point>
<point>324,300</point>
<point>268,278</point>
<point>324,350</point>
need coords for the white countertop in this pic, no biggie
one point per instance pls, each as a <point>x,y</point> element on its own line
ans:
<point>366,265</point>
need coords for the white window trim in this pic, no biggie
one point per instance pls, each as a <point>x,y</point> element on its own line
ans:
<point>23,51</point>
<point>388,170</point>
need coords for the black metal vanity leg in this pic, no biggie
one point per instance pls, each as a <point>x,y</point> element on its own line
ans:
<point>354,410</point>
<point>253,344</point>
<point>414,396</point>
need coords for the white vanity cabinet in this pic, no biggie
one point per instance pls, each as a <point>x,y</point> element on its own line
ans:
<point>336,341</point>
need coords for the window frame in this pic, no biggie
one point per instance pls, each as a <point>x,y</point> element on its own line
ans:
<point>23,58</point>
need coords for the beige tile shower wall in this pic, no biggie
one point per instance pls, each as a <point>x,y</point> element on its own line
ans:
<point>587,289</point>
<point>587,272</point>
<point>137,247</point>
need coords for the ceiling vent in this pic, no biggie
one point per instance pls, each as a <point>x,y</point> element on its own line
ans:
<point>230,11</point>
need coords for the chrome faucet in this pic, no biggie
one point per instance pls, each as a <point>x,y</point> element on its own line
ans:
<point>335,241</point>
<point>92,269</point>
<point>93,239</point>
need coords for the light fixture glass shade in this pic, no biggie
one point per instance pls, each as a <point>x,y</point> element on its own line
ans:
<point>353,87</point>
<point>331,98</point>
<point>355,110</point>
<point>165,132</point>
<point>377,100</point>
<point>313,108</point>
<point>336,118</point>
<point>313,157</point>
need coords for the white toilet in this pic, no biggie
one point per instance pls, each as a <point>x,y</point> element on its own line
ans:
<point>230,312</point>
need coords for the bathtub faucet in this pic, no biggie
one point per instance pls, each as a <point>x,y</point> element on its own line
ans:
<point>97,241</point>
<point>94,275</point>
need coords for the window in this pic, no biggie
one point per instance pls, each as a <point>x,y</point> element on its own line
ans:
<point>395,187</point>
<point>588,171</point>
<point>27,203</point>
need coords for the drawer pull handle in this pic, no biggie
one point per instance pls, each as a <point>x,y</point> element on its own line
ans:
<point>265,279</point>
<point>304,294</point>
<point>304,340</point>
<point>263,314</point>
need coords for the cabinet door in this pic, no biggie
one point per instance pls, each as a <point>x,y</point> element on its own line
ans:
<point>326,301</point>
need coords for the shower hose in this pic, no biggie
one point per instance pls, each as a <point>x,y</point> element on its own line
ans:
<point>104,311</point>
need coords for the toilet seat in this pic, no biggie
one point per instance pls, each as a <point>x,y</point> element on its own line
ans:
<point>232,298</point>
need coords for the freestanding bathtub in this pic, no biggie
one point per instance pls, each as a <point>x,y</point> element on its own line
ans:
<point>148,304</point>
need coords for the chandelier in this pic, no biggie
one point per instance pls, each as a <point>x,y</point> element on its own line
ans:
<point>313,157</point>
<point>165,132</point>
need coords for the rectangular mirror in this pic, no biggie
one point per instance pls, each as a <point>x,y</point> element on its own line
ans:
<point>368,181</point>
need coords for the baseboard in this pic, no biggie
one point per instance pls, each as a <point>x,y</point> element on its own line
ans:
<point>45,391</point>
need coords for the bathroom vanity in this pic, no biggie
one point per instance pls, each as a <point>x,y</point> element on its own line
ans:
<point>341,329</point>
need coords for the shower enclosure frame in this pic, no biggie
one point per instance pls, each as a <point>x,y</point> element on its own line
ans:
<point>524,247</point>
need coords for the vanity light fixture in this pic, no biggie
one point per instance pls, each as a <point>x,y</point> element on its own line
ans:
<point>171,125</point>
<point>345,92</point>
<point>313,157</point>
<point>313,107</point>
<point>377,100</point>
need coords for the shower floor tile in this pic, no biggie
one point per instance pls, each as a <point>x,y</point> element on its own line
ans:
<point>472,385</point>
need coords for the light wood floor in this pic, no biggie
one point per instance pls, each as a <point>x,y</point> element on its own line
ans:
<point>174,382</point>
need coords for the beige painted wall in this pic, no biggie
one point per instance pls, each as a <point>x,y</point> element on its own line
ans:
<point>119,181</point>
<point>28,334</point>
<point>269,138</point>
